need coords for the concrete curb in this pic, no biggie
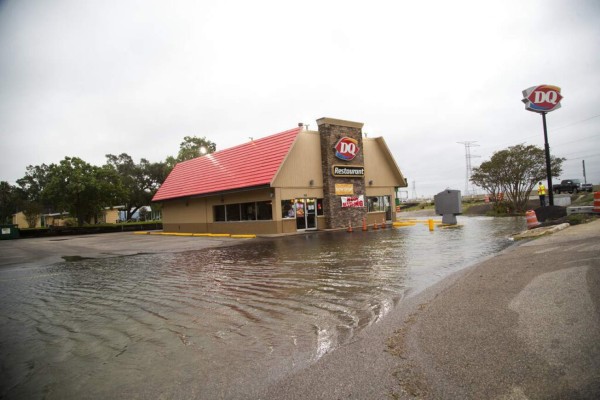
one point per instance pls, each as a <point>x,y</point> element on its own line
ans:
<point>536,232</point>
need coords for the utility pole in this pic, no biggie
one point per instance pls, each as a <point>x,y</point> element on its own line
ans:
<point>468,157</point>
<point>584,178</point>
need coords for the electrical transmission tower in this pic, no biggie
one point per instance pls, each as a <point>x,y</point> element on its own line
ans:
<point>468,157</point>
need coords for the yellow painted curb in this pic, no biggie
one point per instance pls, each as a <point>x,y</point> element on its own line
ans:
<point>219,234</point>
<point>417,221</point>
<point>201,234</point>
<point>141,233</point>
<point>243,236</point>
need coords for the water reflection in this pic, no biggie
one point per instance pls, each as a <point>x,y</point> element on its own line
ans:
<point>202,324</point>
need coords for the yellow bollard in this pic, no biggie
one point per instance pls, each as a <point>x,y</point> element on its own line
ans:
<point>431,225</point>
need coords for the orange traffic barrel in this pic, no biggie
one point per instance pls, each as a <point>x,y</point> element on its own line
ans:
<point>597,202</point>
<point>532,221</point>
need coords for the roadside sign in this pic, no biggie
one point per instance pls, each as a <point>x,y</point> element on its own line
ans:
<point>542,98</point>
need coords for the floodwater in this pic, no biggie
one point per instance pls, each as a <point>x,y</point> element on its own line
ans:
<point>203,324</point>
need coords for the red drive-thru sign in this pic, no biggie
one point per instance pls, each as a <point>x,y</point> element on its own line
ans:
<point>542,98</point>
<point>346,148</point>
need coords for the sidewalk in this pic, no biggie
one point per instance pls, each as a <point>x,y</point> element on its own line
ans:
<point>524,324</point>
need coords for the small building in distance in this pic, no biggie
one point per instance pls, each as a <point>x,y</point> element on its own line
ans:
<point>292,181</point>
<point>110,215</point>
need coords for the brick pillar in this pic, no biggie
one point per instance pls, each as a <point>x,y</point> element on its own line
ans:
<point>331,131</point>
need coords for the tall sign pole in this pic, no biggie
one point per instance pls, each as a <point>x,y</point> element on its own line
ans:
<point>542,99</point>
<point>548,167</point>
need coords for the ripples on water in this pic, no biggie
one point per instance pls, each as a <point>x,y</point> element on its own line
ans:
<point>203,323</point>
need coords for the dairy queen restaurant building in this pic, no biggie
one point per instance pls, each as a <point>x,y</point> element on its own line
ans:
<point>296,180</point>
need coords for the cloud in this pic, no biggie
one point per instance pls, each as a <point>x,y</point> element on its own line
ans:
<point>87,79</point>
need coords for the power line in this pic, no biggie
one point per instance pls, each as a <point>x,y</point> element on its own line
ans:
<point>575,123</point>
<point>553,129</point>
<point>578,140</point>
<point>582,157</point>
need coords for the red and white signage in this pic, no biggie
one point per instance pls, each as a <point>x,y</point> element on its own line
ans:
<point>346,148</point>
<point>354,201</point>
<point>542,98</point>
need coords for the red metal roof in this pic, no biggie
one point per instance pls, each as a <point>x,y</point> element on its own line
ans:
<point>250,164</point>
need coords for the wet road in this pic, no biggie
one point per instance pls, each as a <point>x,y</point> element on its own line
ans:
<point>204,323</point>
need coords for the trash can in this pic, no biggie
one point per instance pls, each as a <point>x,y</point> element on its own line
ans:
<point>9,232</point>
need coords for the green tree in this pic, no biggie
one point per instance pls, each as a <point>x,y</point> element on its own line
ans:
<point>33,183</point>
<point>82,189</point>
<point>31,193</point>
<point>515,171</point>
<point>139,181</point>
<point>9,202</point>
<point>191,147</point>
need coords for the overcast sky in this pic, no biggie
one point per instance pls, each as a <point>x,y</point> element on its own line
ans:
<point>87,78</point>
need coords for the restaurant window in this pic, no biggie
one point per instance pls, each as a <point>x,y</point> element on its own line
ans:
<point>248,211</point>
<point>264,210</point>
<point>260,210</point>
<point>378,203</point>
<point>233,212</point>
<point>219,213</point>
<point>287,209</point>
<point>319,206</point>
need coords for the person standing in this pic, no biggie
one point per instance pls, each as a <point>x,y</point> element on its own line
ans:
<point>542,194</point>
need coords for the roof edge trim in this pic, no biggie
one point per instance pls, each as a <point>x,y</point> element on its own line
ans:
<point>212,194</point>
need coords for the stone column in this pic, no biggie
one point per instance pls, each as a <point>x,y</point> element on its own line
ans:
<point>331,132</point>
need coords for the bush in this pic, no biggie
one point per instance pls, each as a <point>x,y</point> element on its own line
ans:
<point>70,222</point>
<point>576,219</point>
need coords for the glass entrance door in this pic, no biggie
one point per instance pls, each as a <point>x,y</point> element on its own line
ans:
<point>306,214</point>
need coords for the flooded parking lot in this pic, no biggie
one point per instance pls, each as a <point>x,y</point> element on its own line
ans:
<point>204,323</point>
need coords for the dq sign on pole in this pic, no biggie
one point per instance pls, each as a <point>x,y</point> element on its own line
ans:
<point>542,99</point>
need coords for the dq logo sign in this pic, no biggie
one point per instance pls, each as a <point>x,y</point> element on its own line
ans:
<point>542,99</point>
<point>346,148</point>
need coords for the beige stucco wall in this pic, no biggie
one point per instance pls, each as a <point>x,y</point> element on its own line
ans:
<point>380,167</point>
<point>184,211</point>
<point>302,164</point>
